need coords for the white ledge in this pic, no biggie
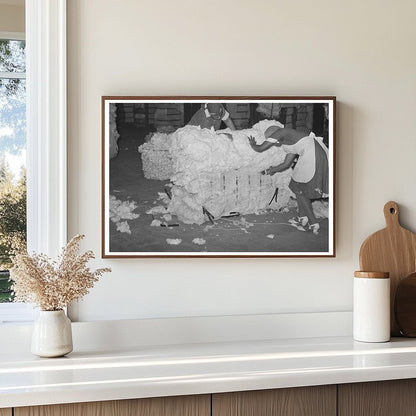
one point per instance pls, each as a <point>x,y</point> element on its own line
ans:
<point>169,370</point>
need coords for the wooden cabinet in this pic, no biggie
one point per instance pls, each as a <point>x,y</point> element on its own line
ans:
<point>163,406</point>
<point>300,401</point>
<point>381,398</point>
<point>385,398</point>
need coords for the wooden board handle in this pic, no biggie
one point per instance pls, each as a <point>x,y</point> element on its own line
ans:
<point>391,214</point>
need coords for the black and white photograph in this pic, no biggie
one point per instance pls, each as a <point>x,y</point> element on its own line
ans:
<point>218,176</point>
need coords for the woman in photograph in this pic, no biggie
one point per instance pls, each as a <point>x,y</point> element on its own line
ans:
<point>211,115</point>
<point>310,174</point>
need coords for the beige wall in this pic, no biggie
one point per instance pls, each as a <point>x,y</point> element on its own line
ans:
<point>12,18</point>
<point>363,52</point>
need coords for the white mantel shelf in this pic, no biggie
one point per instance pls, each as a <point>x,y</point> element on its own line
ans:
<point>151,371</point>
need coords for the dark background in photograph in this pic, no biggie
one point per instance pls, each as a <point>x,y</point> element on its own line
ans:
<point>162,116</point>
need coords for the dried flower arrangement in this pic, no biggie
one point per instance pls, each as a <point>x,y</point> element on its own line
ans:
<point>53,285</point>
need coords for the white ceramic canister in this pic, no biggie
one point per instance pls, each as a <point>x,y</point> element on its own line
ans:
<point>371,309</point>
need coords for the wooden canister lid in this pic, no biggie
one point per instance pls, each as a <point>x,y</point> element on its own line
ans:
<point>372,275</point>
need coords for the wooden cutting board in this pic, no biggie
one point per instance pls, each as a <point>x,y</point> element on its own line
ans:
<point>393,250</point>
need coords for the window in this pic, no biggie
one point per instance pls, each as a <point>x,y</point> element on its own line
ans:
<point>46,135</point>
<point>12,165</point>
<point>12,155</point>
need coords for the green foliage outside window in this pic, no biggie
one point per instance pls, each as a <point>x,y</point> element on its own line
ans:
<point>6,294</point>
<point>12,223</point>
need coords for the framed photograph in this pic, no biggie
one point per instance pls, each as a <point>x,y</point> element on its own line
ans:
<point>218,177</point>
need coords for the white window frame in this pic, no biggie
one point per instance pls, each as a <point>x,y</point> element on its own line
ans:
<point>46,134</point>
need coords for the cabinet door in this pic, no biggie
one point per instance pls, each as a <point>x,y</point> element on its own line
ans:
<point>5,412</point>
<point>300,401</point>
<point>163,406</point>
<point>381,398</point>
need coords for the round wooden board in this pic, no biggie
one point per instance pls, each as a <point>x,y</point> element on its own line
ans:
<point>405,306</point>
<point>393,250</point>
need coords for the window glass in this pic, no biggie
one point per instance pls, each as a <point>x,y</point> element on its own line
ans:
<point>12,156</point>
<point>12,56</point>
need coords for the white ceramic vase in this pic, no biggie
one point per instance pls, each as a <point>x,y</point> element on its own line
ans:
<point>52,334</point>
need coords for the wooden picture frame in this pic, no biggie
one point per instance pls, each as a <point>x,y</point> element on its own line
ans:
<point>179,179</point>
